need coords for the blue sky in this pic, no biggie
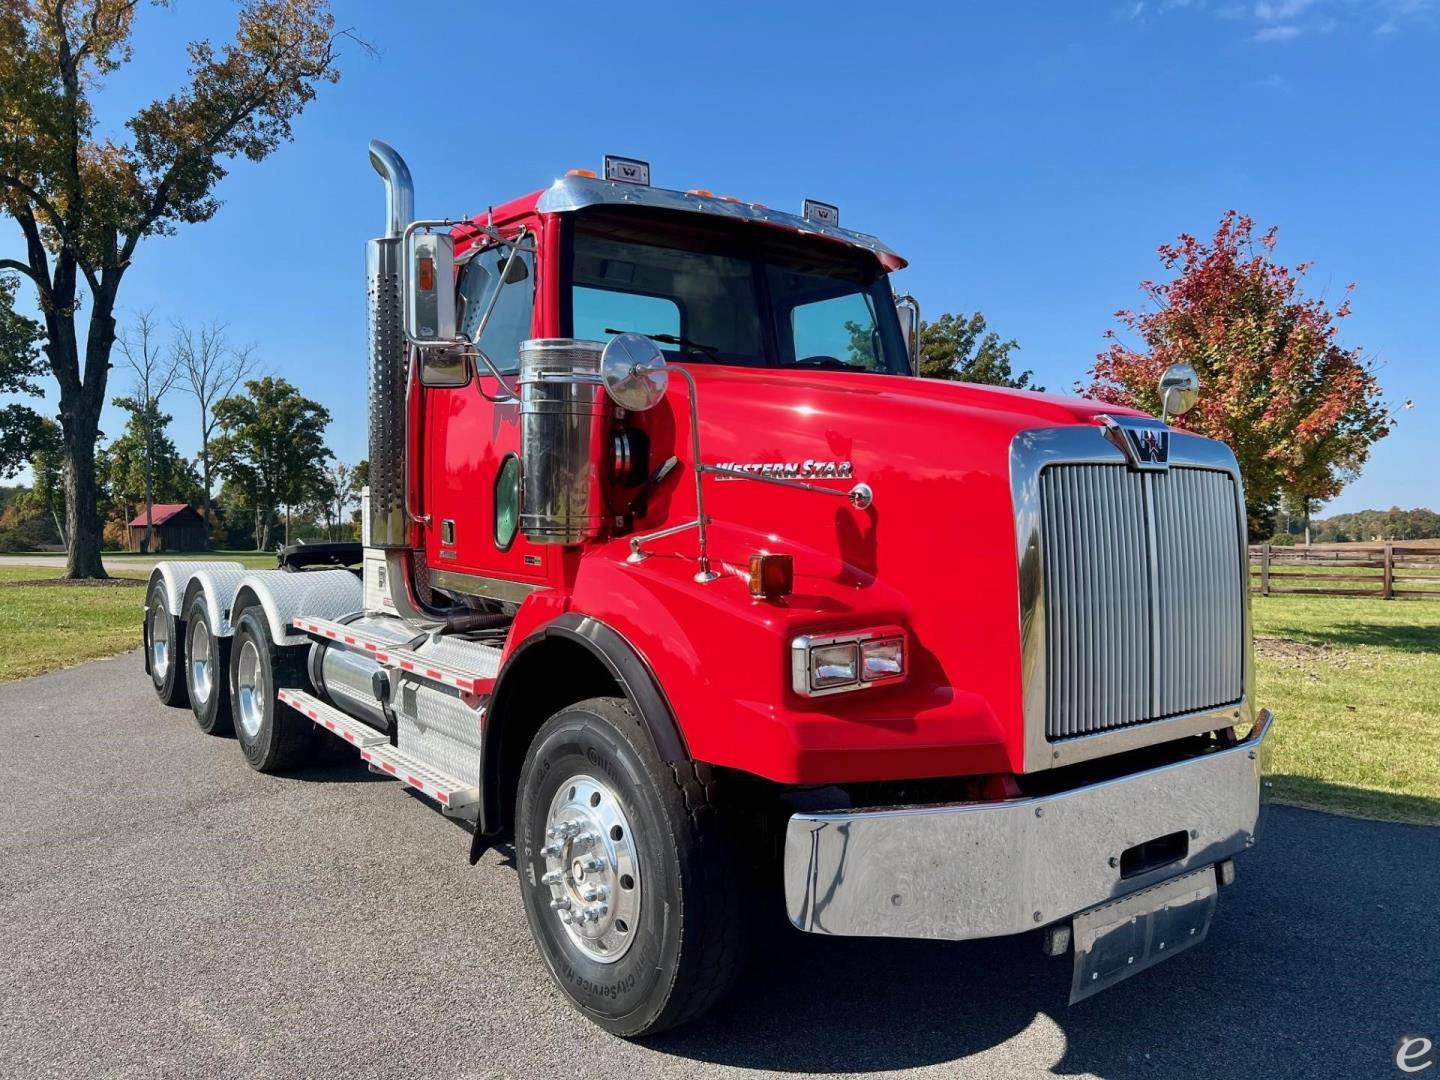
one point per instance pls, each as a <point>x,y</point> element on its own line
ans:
<point>1027,158</point>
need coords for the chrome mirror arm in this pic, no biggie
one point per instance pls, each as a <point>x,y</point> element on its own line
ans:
<point>705,574</point>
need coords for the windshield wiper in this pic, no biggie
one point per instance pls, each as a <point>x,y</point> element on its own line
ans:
<point>711,353</point>
<point>830,363</point>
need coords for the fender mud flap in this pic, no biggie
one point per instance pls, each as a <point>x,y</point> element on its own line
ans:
<point>1118,939</point>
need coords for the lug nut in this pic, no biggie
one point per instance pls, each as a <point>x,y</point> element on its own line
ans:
<point>564,830</point>
<point>563,904</point>
<point>566,917</point>
<point>584,840</point>
<point>552,851</point>
<point>594,913</point>
<point>592,864</point>
<point>552,877</point>
<point>591,893</point>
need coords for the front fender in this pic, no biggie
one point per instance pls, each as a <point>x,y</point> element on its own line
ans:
<point>722,659</point>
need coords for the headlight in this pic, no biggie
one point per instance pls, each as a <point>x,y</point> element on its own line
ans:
<point>834,664</point>
<point>882,659</point>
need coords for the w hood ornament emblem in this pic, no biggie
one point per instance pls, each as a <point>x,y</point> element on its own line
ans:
<point>1146,445</point>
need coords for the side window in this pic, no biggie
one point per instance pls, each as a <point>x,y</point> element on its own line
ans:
<point>510,322</point>
<point>599,310</point>
<point>843,327</point>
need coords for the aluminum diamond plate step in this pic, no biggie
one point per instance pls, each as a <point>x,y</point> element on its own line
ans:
<point>332,719</point>
<point>452,794</point>
<point>387,652</point>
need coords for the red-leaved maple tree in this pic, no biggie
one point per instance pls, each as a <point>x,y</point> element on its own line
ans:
<point>1299,409</point>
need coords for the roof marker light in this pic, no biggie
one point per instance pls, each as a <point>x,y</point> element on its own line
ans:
<point>589,174</point>
<point>701,192</point>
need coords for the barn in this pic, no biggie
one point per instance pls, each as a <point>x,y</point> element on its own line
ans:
<point>178,527</point>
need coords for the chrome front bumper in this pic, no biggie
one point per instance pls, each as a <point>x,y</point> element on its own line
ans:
<point>979,870</point>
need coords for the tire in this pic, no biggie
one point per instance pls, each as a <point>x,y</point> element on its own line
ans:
<point>669,872</point>
<point>272,736</point>
<point>207,671</point>
<point>164,648</point>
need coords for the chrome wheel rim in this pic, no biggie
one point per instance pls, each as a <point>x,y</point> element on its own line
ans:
<point>250,690</point>
<point>591,868</point>
<point>202,665</point>
<point>159,641</point>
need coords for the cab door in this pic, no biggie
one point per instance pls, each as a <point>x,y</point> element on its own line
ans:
<point>472,470</point>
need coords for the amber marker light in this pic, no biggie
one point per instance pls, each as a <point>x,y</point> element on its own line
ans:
<point>771,576</point>
<point>427,274</point>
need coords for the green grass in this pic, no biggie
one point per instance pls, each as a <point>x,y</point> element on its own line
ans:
<point>257,559</point>
<point>1355,685</point>
<point>44,627</point>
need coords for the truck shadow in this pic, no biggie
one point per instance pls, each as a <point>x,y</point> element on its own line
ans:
<point>1324,951</point>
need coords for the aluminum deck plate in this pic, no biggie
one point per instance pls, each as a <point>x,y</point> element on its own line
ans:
<point>454,795</point>
<point>387,652</point>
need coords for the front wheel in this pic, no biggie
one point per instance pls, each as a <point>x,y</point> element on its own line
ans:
<point>628,872</point>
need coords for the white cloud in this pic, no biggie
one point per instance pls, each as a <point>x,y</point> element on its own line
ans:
<point>1282,32</point>
<point>1280,10</point>
<point>1276,21</point>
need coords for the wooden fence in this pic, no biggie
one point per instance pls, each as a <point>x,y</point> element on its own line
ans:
<point>1386,571</point>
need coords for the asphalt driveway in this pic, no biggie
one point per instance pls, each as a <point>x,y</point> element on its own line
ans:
<point>166,911</point>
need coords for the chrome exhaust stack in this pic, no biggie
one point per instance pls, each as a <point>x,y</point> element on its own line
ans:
<point>389,371</point>
<point>388,516</point>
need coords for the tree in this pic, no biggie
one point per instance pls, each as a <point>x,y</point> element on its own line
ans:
<point>1299,410</point>
<point>47,466</point>
<point>155,374</point>
<point>342,490</point>
<point>272,448</point>
<point>20,364</point>
<point>959,348</point>
<point>212,368</point>
<point>83,202</point>
<point>142,466</point>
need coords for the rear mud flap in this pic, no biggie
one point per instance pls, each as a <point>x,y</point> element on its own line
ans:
<point>1118,939</point>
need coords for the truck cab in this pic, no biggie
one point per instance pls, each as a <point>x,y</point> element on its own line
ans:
<point>677,577</point>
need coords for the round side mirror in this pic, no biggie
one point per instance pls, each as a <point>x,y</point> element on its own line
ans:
<point>632,367</point>
<point>1179,389</point>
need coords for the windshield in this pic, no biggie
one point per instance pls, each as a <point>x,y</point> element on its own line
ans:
<point>716,292</point>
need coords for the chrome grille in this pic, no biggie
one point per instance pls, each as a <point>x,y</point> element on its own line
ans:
<point>1143,595</point>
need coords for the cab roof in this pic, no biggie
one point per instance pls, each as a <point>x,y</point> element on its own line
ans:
<point>571,193</point>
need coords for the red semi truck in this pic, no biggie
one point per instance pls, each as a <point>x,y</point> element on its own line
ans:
<point>675,574</point>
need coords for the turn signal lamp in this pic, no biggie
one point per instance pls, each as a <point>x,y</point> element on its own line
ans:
<point>771,576</point>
